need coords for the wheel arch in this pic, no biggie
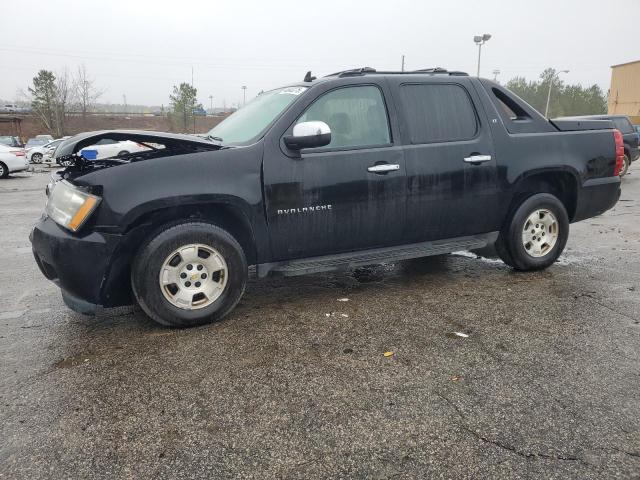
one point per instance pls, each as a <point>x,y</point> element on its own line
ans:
<point>151,222</point>
<point>561,183</point>
<point>224,214</point>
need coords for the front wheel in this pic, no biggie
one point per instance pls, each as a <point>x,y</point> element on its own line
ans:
<point>189,274</point>
<point>4,171</point>
<point>36,158</point>
<point>535,234</point>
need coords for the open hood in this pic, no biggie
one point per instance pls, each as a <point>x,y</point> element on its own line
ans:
<point>171,141</point>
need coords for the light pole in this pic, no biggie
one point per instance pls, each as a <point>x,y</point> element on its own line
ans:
<point>211,98</point>
<point>481,40</point>
<point>244,95</point>
<point>496,72</point>
<point>546,110</point>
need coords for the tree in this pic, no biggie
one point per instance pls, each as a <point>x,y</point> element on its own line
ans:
<point>44,97</point>
<point>565,99</point>
<point>183,101</point>
<point>85,91</point>
<point>64,98</point>
<point>52,95</point>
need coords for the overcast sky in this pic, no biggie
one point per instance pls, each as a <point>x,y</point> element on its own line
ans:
<point>141,48</point>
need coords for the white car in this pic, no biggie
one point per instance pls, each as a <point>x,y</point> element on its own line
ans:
<point>43,152</point>
<point>46,138</point>
<point>9,108</point>
<point>106,148</point>
<point>12,160</point>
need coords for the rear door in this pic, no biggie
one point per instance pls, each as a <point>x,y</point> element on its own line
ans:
<point>450,161</point>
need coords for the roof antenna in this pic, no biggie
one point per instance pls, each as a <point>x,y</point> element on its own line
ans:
<point>308,77</point>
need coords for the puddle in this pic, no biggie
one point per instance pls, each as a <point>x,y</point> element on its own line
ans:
<point>75,360</point>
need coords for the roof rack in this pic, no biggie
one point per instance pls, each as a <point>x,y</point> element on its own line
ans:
<point>425,71</point>
<point>353,72</point>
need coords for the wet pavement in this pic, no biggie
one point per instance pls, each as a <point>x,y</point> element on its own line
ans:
<point>494,374</point>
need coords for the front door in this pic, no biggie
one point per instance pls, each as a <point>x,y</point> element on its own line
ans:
<point>347,196</point>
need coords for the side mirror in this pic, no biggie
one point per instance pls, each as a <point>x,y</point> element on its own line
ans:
<point>308,135</point>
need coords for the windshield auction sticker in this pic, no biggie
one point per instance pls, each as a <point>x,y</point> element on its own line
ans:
<point>292,90</point>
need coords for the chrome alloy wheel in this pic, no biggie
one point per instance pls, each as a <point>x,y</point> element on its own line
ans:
<point>540,233</point>
<point>193,276</point>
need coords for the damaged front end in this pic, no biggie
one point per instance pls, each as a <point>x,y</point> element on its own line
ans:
<point>155,145</point>
<point>73,245</point>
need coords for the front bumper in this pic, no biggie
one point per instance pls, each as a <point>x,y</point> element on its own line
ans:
<point>596,197</point>
<point>79,265</point>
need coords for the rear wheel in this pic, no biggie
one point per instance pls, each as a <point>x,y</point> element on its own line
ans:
<point>36,158</point>
<point>189,274</point>
<point>536,233</point>
<point>625,166</point>
<point>4,171</point>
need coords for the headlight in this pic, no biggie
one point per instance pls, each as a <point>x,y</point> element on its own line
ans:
<point>69,206</point>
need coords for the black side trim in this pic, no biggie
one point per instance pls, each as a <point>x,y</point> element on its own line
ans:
<point>377,255</point>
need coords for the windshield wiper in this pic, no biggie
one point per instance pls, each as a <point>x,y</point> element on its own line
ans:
<point>212,138</point>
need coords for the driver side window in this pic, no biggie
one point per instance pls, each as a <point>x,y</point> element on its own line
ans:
<point>357,116</point>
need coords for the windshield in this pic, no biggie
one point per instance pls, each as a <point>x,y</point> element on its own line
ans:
<point>4,140</point>
<point>250,121</point>
<point>35,142</point>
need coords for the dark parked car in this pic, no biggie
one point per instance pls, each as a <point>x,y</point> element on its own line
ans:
<point>629,136</point>
<point>356,168</point>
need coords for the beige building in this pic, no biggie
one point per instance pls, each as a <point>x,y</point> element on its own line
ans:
<point>624,94</point>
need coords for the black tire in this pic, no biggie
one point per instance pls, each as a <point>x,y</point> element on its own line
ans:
<point>123,152</point>
<point>146,267</point>
<point>4,171</point>
<point>36,158</point>
<point>510,246</point>
<point>625,166</point>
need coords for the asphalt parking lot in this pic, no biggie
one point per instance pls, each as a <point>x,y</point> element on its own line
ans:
<point>494,374</point>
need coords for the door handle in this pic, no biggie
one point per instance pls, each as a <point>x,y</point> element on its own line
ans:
<point>477,158</point>
<point>385,167</point>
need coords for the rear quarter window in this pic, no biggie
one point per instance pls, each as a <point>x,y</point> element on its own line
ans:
<point>438,113</point>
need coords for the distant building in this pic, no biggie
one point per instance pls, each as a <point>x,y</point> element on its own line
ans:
<point>624,94</point>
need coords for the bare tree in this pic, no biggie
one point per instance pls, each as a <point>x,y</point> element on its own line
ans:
<point>65,95</point>
<point>85,90</point>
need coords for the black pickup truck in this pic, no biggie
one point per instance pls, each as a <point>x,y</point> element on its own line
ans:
<point>359,167</point>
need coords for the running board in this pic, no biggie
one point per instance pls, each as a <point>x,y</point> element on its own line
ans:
<point>348,260</point>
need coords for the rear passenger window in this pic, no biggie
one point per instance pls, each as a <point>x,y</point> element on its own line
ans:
<point>438,113</point>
